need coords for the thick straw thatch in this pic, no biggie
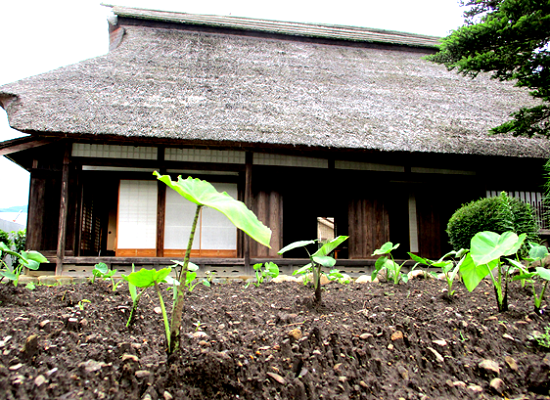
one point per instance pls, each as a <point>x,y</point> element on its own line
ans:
<point>192,85</point>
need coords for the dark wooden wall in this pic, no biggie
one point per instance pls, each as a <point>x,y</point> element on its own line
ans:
<point>268,207</point>
<point>368,224</point>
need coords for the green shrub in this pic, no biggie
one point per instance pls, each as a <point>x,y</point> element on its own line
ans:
<point>5,237</point>
<point>495,214</point>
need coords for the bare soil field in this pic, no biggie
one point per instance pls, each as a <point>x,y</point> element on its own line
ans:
<point>374,341</point>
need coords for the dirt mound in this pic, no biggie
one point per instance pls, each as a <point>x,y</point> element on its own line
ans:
<point>365,342</point>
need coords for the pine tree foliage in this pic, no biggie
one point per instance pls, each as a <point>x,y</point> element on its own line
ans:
<point>511,40</point>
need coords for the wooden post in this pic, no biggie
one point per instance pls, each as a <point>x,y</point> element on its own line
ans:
<point>63,205</point>
<point>35,219</point>
<point>248,202</point>
<point>161,217</point>
<point>161,205</point>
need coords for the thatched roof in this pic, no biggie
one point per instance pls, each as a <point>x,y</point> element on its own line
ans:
<point>201,86</point>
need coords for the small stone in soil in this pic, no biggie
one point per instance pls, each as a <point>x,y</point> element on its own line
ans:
<point>475,388</point>
<point>276,378</point>
<point>39,380</point>
<point>511,363</point>
<point>397,335</point>
<point>489,365</point>
<point>497,385</point>
<point>296,334</point>
<point>142,374</point>
<point>438,356</point>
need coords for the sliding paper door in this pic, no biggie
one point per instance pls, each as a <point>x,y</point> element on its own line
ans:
<point>215,236</point>
<point>137,218</point>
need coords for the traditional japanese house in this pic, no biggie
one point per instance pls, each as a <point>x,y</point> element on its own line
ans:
<point>307,124</point>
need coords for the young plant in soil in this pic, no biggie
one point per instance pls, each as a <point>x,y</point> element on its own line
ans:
<point>393,270</point>
<point>484,259</point>
<point>101,270</point>
<point>25,259</point>
<point>203,194</point>
<point>271,270</point>
<point>149,277</point>
<point>190,280</point>
<point>537,253</point>
<point>134,295</point>
<point>448,267</point>
<point>318,260</point>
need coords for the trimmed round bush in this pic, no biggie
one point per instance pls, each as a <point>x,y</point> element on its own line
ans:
<point>495,214</point>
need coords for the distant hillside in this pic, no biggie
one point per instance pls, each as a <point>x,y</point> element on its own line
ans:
<point>14,209</point>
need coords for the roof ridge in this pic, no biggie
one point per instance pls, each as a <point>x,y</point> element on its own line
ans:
<point>318,30</point>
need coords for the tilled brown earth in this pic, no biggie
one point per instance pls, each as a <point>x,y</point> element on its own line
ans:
<point>376,341</point>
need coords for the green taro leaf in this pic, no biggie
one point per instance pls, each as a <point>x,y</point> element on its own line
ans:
<point>537,252</point>
<point>7,250</point>
<point>489,246</point>
<point>35,256</point>
<point>528,275</point>
<point>296,245</point>
<point>147,277</point>
<point>329,247</point>
<point>473,274</point>
<point>380,262</point>
<point>386,248</point>
<point>190,277</point>
<point>204,194</point>
<point>543,273</point>
<point>325,261</point>
<point>257,267</point>
<point>101,268</point>
<point>419,259</point>
<point>304,270</point>
<point>272,269</point>
<point>30,264</point>
<point>9,275</point>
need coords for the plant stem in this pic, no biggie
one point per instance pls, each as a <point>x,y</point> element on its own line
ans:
<point>134,308</point>
<point>164,316</point>
<point>317,283</point>
<point>177,310</point>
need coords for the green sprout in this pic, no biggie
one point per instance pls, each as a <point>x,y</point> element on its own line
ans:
<point>25,259</point>
<point>318,260</point>
<point>271,270</point>
<point>393,270</point>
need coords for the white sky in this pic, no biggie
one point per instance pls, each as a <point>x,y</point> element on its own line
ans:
<point>41,35</point>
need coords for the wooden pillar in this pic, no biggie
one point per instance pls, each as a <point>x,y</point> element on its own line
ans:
<point>63,206</point>
<point>161,218</point>
<point>248,202</point>
<point>35,219</point>
<point>161,205</point>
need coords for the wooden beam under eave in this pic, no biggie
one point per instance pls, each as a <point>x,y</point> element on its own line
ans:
<point>21,144</point>
<point>63,207</point>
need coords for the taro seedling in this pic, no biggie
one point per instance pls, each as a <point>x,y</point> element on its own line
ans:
<point>484,259</point>
<point>318,260</point>
<point>101,270</point>
<point>336,275</point>
<point>25,259</point>
<point>393,270</point>
<point>135,296</point>
<point>270,270</point>
<point>448,267</point>
<point>149,277</point>
<point>190,280</point>
<point>537,253</point>
<point>203,194</point>
<point>81,303</point>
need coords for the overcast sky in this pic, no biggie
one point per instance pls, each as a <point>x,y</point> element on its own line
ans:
<point>41,35</point>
